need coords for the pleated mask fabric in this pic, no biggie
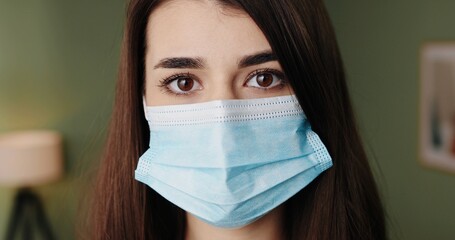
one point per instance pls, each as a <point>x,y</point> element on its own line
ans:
<point>230,162</point>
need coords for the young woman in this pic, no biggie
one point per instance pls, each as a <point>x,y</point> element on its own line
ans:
<point>232,120</point>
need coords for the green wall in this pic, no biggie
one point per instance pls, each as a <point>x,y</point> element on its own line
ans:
<point>380,42</point>
<point>58,64</point>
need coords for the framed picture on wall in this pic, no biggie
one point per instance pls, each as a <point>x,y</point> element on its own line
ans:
<point>437,106</point>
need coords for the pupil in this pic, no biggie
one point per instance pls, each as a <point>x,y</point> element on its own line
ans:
<point>185,84</point>
<point>264,80</point>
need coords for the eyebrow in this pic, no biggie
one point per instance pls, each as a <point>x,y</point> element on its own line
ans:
<point>198,63</point>
<point>257,58</point>
<point>180,62</point>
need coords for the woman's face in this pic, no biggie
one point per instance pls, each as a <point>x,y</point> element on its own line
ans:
<point>197,52</point>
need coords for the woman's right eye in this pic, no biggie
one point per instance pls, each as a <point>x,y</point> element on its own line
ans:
<point>181,84</point>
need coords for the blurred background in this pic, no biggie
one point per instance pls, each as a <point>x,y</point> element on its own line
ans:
<point>380,43</point>
<point>58,64</point>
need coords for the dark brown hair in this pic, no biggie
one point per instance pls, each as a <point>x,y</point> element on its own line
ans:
<point>342,203</point>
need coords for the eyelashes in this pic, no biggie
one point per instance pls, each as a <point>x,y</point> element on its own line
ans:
<point>186,83</point>
<point>179,84</point>
<point>165,81</point>
<point>265,79</point>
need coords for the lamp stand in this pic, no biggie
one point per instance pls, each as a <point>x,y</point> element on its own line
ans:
<point>28,212</point>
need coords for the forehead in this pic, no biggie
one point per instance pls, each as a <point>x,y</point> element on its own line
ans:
<point>198,28</point>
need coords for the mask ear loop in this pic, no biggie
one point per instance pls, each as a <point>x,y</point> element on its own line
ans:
<point>144,105</point>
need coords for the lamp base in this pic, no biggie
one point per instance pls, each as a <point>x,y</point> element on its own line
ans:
<point>28,212</point>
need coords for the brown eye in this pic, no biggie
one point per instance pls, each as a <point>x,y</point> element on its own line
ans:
<point>264,79</point>
<point>185,84</point>
<point>182,84</point>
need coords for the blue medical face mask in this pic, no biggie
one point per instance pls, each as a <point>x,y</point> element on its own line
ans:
<point>229,162</point>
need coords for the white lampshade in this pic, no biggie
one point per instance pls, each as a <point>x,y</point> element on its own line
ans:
<point>30,158</point>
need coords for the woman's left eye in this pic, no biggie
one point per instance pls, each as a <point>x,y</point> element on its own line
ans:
<point>265,79</point>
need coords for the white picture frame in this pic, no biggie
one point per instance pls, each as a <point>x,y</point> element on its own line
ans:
<point>437,106</point>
